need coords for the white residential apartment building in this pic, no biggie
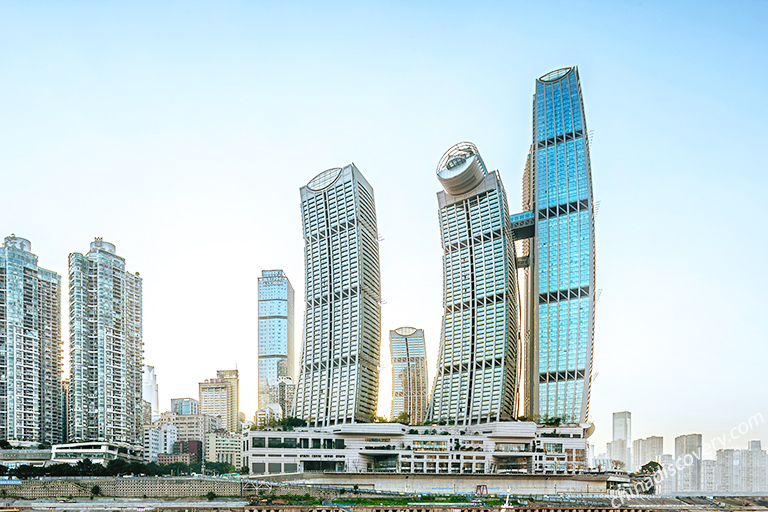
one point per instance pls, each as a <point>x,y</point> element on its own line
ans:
<point>742,470</point>
<point>646,450</point>
<point>622,436</point>
<point>224,447</point>
<point>30,347</point>
<point>667,483</point>
<point>221,397</point>
<point>338,380</point>
<point>158,438</point>
<point>708,475</point>
<point>688,448</point>
<point>190,427</point>
<point>106,348</point>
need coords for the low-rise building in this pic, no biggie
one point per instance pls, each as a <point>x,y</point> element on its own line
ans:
<point>171,458</point>
<point>499,447</point>
<point>99,452</point>
<point>12,459</point>
<point>195,448</point>
<point>223,446</point>
<point>269,413</point>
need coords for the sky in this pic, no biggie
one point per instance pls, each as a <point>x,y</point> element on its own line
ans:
<point>182,132</point>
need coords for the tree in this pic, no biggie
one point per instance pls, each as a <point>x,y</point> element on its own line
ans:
<point>211,495</point>
<point>95,490</point>
<point>85,467</point>
<point>244,470</point>
<point>5,445</point>
<point>650,468</point>
<point>403,418</point>
<point>117,467</point>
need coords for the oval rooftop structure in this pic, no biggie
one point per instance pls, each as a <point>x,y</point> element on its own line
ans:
<point>555,75</point>
<point>324,179</point>
<point>461,169</point>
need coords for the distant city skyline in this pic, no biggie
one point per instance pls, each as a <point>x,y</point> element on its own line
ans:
<point>193,138</point>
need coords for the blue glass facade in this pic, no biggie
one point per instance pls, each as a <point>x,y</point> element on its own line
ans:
<point>558,190</point>
<point>276,336</point>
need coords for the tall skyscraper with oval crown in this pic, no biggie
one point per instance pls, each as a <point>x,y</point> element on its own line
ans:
<point>339,380</point>
<point>559,283</point>
<point>476,377</point>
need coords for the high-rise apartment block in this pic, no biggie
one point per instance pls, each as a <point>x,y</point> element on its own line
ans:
<point>477,363</point>
<point>708,475</point>
<point>281,393</point>
<point>276,332</point>
<point>558,280</point>
<point>30,347</point>
<point>150,391</point>
<point>667,483</point>
<point>190,427</point>
<point>410,384</point>
<point>221,397</point>
<point>338,380</point>
<point>647,450</point>
<point>688,462</point>
<point>185,406</point>
<point>617,453</point>
<point>622,431</point>
<point>106,347</point>
<point>742,470</point>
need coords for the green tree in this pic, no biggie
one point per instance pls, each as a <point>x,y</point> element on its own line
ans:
<point>211,495</point>
<point>95,490</point>
<point>85,467</point>
<point>117,467</point>
<point>5,445</point>
<point>403,418</point>
<point>650,468</point>
<point>244,470</point>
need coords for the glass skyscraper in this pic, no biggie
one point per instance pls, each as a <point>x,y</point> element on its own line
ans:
<point>339,380</point>
<point>185,406</point>
<point>410,393</point>
<point>30,346</point>
<point>106,352</point>
<point>559,286</point>
<point>276,335</point>
<point>477,364</point>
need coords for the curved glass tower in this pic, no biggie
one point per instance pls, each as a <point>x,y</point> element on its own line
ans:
<point>339,379</point>
<point>560,288</point>
<point>409,374</point>
<point>476,368</point>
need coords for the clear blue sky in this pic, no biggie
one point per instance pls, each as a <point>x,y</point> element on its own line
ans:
<point>182,131</point>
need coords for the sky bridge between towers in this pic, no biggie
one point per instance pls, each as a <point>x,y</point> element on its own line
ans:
<point>523,227</point>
